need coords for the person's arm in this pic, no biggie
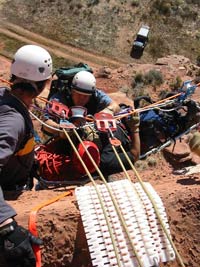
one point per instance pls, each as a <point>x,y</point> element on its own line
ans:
<point>49,121</point>
<point>135,145</point>
<point>52,124</point>
<point>9,139</point>
<point>16,240</point>
<point>6,211</point>
<point>133,123</point>
<point>112,108</point>
<point>105,103</point>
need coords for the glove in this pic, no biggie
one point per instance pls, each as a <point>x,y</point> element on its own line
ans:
<point>194,143</point>
<point>93,136</point>
<point>17,247</point>
<point>133,122</point>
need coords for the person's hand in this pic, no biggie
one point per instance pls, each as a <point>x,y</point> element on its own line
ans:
<point>66,124</point>
<point>108,110</point>
<point>133,122</point>
<point>93,136</point>
<point>194,143</point>
<point>17,243</point>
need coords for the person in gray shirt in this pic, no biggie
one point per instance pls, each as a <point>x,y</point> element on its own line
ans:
<point>30,72</point>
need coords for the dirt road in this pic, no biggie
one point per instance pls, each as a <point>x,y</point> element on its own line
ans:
<point>61,50</point>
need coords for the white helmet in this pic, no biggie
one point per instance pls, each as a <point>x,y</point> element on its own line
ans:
<point>84,82</point>
<point>32,62</point>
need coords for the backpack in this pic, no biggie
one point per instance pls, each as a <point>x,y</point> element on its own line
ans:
<point>65,76</point>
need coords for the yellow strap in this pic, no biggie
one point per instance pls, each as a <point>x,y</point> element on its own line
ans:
<point>28,148</point>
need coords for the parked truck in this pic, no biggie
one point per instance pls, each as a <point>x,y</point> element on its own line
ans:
<point>140,42</point>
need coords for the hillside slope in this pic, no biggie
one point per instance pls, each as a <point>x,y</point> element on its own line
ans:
<point>109,27</point>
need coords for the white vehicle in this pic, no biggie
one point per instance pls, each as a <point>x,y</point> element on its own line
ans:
<point>141,40</point>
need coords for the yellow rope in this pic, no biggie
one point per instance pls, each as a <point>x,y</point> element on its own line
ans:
<point>155,207</point>
<point>113,200</point>
<point>97,191</point>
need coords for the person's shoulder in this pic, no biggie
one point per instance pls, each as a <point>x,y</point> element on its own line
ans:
<point>9,116</point>
<point>100,93</point>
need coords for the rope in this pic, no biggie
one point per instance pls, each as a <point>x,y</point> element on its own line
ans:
<point>110,192</point>
<point>5,81</point>
<point>97,191</point>
<point>45,124</point>
<point>118,117</point>
<point>113,200</point>
<point>154,205</point>
<point>32,223</point>
<point>147,107</point>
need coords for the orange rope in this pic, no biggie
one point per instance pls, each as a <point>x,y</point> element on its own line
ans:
<point>131,112</point>
<point>32,223</point>
<point>5,81</point>
<point>43,99</point>
<point>146,107</point>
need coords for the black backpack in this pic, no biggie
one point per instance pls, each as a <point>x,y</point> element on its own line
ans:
<point>65,76</point>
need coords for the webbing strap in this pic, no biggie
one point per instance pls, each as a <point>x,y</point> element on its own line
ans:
<point>32,222</point>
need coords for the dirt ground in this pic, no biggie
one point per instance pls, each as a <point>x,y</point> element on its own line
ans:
<point>59,224</point>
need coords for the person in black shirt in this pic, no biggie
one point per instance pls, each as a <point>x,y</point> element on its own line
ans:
<point>30,72</point>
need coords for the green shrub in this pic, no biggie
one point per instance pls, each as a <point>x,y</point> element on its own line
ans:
<point>135,3</point>
<point>151,161</point>
<point>153,77</point>
<point>195,2</point>
<point>141,165</point>
<point>168,7</point>
<point>163,93</point>
<point>93,2</point>
<point>176,84</point>
<point>163,7</point>
<point>139,90</point>
<point>158,46</point>
<point>139,78</point>
<point>126,90</point>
